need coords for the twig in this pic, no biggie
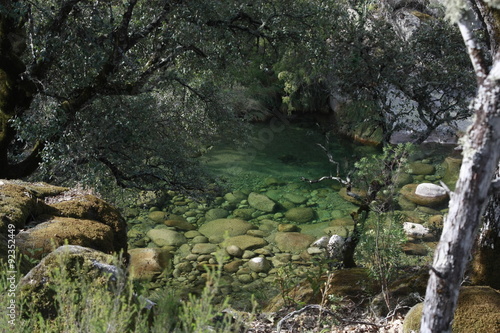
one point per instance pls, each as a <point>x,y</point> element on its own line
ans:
<point>340,180</point>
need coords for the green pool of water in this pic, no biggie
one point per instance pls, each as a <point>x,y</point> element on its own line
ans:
<point>284,152</point>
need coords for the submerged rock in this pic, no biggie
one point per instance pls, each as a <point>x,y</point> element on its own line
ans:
<point>166,237</point>
<point>300,214</point>
<point>259,264</point>
<point>246,242</point>
<point>216,230</point>
<point>293,242</point>
<point>261,202</point>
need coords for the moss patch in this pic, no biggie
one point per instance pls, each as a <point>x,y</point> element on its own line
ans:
<point>478,310</point>
<point>42,239</point>
<point>92,208</point>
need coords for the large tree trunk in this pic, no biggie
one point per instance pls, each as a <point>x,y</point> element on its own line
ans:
<point>486,256</point>
<point>468,202</point>
<point>16,94</point>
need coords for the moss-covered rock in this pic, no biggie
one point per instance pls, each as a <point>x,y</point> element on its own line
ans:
<point>92,208</point>
<point>43,238</point>
<point>452,169</point>
<point>419,168</point>
<point>408,191</point>
<point>39,287</point>
<point>478,310</point>
<point>16,204</point>
<point>484,268</point>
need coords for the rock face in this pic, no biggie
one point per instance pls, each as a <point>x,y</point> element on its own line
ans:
<point>478,310</point>
<point>43,238</point>
<point>57,214</point>
<point>261,202</point>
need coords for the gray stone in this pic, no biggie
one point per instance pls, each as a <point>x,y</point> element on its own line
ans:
<point>430,190</point>
<point>259,264</point>
<point>300,214</point>
<point>204,248</point>
<point>315,250</point>
<point>293,241</point>
<point>245,278</point>
<point>215,214</point>
<point>234,250</point>
<point>295,198</point>
<point>217,229</point>
<point>248,254</point>
<point>261,202</point>
<point>335,247</point>
<point>200,239</point>
<point>163,237</point>
<point>192,234</point>
<point>246,242</point>
<point>415,230</point>
<point>321,243</point>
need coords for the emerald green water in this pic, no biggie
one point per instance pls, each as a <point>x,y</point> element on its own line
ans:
<point>281,151</point>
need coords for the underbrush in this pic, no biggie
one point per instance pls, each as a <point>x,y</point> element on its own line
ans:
<point>85,305</point>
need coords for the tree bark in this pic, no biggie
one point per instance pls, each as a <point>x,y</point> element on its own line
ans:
<point>484,267</point>
<point>467,204</point>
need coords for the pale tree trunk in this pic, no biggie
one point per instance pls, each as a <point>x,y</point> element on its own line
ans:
<point>481,153</point>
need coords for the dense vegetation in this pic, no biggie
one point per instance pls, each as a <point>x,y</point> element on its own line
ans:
<point>127,93</point>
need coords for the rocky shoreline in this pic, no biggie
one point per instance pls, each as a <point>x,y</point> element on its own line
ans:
<point>273,245</point>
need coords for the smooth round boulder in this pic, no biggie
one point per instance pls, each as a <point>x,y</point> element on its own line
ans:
<point>293,242</point>
<point>179,224</point>
<point>430,190</point>
<point>259,264</point>
<point>300,214</point>
<point>166,237</point>
<point>408,191</point>
<point>218,229</point>
<point>204,248</point>
<point>215,214</point>
<point>261,202</point>
<point>234,251</point>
